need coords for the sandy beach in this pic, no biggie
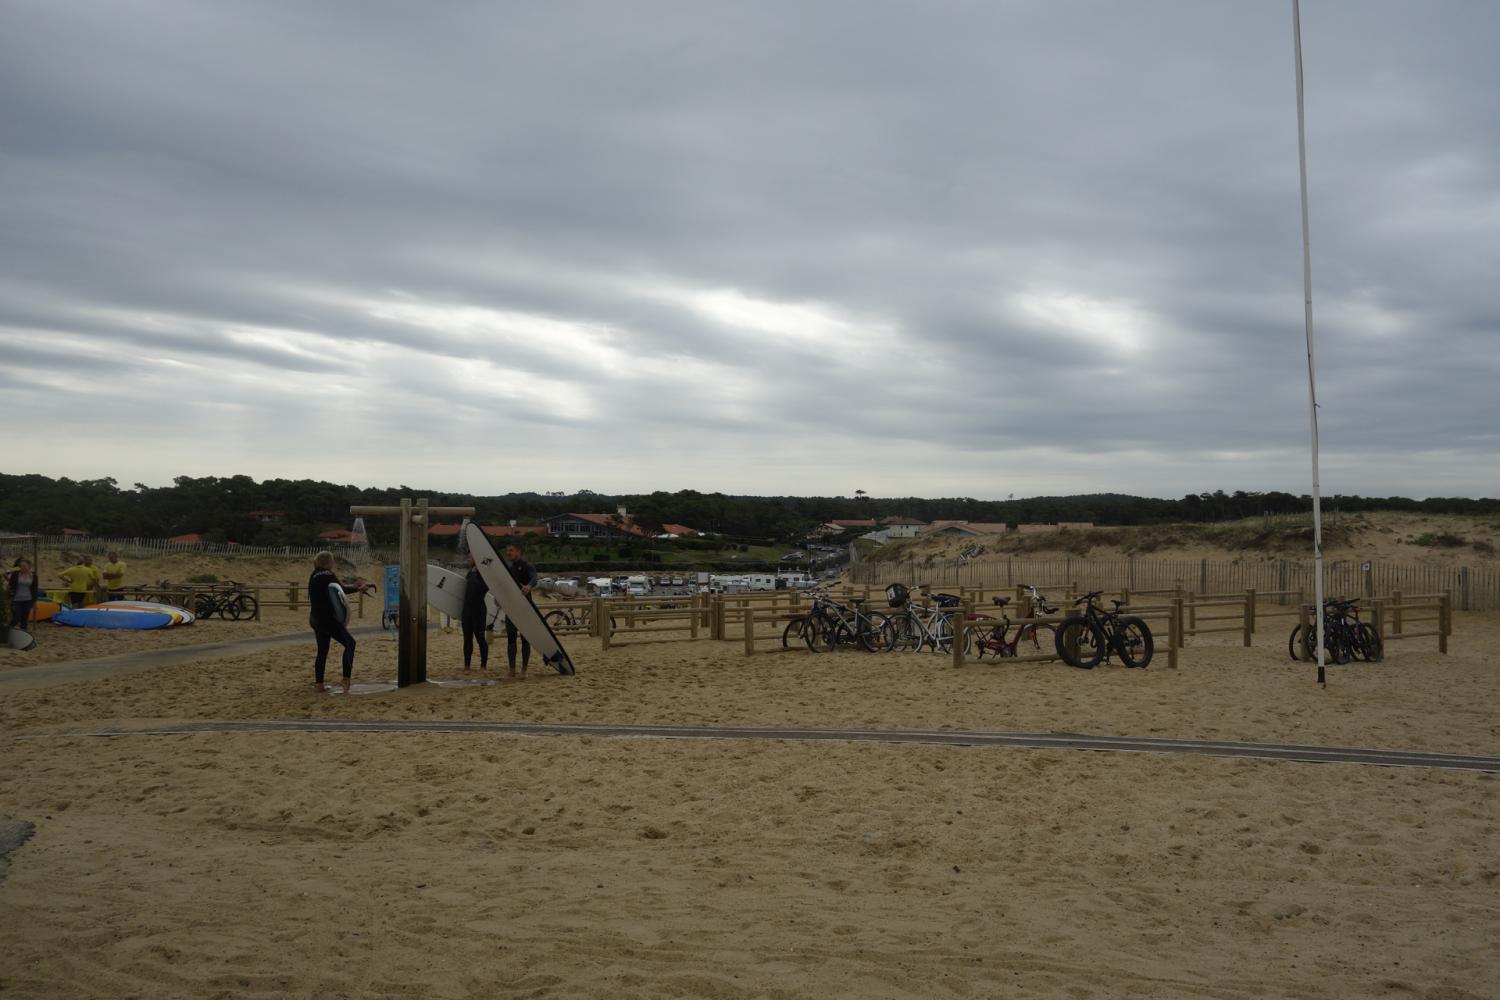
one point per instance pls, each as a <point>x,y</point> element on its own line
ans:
<point>481,864</point>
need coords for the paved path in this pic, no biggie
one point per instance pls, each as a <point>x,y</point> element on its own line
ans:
<point>66,672</point>
<point>1044,741</point>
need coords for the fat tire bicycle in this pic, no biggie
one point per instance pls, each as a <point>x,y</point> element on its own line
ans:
<point>1083,640</point>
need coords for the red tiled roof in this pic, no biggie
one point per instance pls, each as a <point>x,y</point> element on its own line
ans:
<point>74,531</point>
<point>678,529</point>
<point>337,535</point>
<point>189,539</point>
<point>492,530</point>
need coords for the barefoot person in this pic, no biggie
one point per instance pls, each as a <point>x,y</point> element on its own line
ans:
<point>475,618</point>
<point>328,618</point>
<point>525,576</point>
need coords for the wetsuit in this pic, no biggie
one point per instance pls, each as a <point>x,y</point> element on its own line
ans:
<point>325,623</point>
<point>524,574</point>
<point>475,618</point>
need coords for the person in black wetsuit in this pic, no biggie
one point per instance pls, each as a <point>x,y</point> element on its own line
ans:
<point>524,574</point>
<point>324,618</point>
<point>475,617</point>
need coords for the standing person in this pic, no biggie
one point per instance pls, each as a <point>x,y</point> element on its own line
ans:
<point>524,574</point>
<point>475,617</point>
<point>81,578</point>
<point>114,577</point>
<point>24,586</point>
<point>327,618</point>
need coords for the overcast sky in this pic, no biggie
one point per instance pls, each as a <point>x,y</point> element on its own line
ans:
<point>935,249</point>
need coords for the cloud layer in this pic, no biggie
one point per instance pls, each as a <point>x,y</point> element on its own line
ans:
<point>942,249</point>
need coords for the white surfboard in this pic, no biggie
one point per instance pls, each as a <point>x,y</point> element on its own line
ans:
<point>445,591</point>
<point>19,639</point>
<point>496,573</point>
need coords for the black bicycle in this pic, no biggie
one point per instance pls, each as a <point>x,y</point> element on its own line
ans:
<point>1083,640</point>
<point>229,603</point>
<point>1344,636</point>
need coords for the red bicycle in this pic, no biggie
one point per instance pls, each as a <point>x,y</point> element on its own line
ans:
<point>1037,637</point>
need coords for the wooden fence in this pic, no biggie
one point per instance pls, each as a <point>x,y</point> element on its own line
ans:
<point>1473,589</point>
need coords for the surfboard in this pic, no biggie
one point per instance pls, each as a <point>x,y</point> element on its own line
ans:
<point>340,602</point>
<point>123,618</point>
<point>45,609</point>
<point>181,616</point>
<point>496,573</point>
<point>20,639</point>
<point>445,591</point>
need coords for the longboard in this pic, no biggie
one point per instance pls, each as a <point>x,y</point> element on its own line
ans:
<point>496,573</point>
<point>445,591</point>
<point>121,618</point>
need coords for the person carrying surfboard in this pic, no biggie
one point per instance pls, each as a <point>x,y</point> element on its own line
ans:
<point>329,616</point>
<point>475,618</point>
<point>524,574</point>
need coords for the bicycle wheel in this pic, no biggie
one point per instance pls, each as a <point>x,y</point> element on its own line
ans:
<point>941,638</point>
<point>1296,645</point>
<point>906,635</point>
<point>1133,642</point>
<point>1078,643</point>
<point>1371,646</point>
<point>203,605</point>
<point>873,633</point>
<point>795,633</point>
<point>819,635</point>
<point>244,606</point>
<point>558,619</point>
<point>1036,638</point>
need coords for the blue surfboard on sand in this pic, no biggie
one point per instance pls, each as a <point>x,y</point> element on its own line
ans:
<point>121,618</point>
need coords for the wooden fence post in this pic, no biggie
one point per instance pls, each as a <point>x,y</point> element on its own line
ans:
<point>1249,614</point>
<point>1445,620</point>
<point>1174,632</point>
<point>749,631</point>
<point>606,630</point>
<point>291,594</point>
<point>1463,588</point>
<point>1396,612</point>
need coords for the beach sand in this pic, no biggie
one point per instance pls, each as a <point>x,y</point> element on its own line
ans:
<point>480,865</point>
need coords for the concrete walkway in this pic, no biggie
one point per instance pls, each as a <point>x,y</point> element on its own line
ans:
<point>1037,741</point>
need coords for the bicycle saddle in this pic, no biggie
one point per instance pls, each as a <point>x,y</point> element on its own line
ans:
<point>1001,602</point>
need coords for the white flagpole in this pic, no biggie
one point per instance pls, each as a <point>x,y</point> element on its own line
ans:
<point>1312,381</point>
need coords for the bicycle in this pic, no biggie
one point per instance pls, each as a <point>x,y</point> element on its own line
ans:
<point>230,603</point>
<point>1083,640</point>
<point>573,619</point>
<point>1344,636</point>
<point>919,626</point>
<point>829,624</point>
<point>995,642</point>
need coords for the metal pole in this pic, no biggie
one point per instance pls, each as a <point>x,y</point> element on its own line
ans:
<point>1312,381</point>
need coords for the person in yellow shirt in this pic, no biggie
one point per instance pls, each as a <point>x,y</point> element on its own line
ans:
<point>114,577</point>
<point>82,579</point>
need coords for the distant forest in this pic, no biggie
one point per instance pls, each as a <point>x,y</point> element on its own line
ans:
<point>221,509</point>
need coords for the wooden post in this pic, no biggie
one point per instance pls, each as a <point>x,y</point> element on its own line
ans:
<point>693,622</point>
<point>257,604</point>
<point>1377,617</point>
<point>411,622</point>
<point>1249,614</point>
<point>1174,634</point>
<point>1396,628</point>
<point>606,629</point>
<point>749,631</point>
<point>960,621</point>
<point>291,594</point>
<point>1445,620</point>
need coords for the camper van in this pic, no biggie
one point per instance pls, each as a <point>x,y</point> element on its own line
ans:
<point>637,586</point>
